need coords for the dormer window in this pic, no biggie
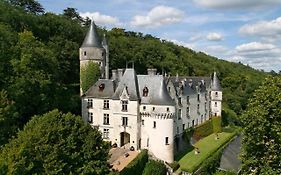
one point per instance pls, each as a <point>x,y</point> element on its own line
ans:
<point>85,53</point>
<point>198,97</point>
<point>145,92</point>
<point>168,109</point>
<point>216,93</point>
<point>101,87</point>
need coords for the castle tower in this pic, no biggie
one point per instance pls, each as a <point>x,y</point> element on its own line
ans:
<point>92,51</point>
<point>105,46</point>
<point>216,96</point>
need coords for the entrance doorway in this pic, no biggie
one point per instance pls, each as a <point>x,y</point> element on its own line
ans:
<point>125,138</point>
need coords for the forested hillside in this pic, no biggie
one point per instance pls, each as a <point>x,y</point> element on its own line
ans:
<point>39,63</point>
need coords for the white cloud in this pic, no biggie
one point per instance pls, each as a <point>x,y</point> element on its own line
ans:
<point>100,18</point>
<point>235,4</point>
<point>254,47</point>
<point>158,16</point>
<point>214,37</point>
<point>259,55</point>
<point>270,29</point>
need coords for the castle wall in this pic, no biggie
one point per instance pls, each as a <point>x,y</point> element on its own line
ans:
<point>157,131</point>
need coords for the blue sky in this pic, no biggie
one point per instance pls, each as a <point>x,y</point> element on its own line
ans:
<point>247,31</point>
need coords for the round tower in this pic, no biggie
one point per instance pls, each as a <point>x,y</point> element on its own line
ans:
<point>216,96</point>
<point>92,51</point>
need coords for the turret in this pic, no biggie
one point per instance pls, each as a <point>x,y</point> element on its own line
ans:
<point>105,46</point>
<point>92,51</point>
<point>216,96</point>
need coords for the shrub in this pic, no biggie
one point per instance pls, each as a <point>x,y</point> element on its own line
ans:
<point>175,165</point>
<point>211,126</point>
<point>154,168</point>
<point>137,165</point>
<point>216,122</point>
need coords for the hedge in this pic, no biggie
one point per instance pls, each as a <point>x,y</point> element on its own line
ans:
<point>211,126</point>
<point>154,168</point>
<point>175,165</point>
<point>136,166</point>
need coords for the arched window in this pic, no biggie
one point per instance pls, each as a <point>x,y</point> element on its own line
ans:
<point>145,92</point>
<point>101,87</point>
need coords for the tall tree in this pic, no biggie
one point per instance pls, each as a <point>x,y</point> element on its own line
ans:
<point>29,5</point>
<point>261,145</point>
<point>56,143</point>
<point>8,118</point>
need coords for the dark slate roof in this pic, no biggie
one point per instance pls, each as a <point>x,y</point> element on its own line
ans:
<point>130,82</point>
<point>188,84</point>
<point>96,91</point>
<point>157,90</point>
<point>216,83</point>
<point>92,38</point>
<point>229,160</point>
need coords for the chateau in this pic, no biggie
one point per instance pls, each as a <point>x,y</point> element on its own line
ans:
<point>144,111</point>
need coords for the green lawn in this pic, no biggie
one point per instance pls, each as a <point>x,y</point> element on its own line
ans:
<point>207,146</point>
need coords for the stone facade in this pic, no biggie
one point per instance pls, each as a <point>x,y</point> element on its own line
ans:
<point>147,111</point>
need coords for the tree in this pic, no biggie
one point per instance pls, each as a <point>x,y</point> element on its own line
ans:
<point>29,5</point>
<point>89,75</point>
<point>261,145</point>
<point>8,118</point>
<point>155,168</point>
<point>72,14</point>
<point>56,143</point>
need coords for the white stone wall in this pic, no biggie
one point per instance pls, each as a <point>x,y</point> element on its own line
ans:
<point>216,97</point>
<point>133,127</point>
<point>154,138</point>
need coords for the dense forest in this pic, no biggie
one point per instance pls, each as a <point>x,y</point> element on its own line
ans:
<point>39,62</point>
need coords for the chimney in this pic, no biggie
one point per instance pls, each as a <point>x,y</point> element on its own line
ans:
<point>114,75</point>
<point>151,71</point>
<point>120,73</point>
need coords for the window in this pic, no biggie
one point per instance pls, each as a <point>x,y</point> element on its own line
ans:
<point>106,104</point>
<point>153,109</point>
<point>90,117</point>
<point>169,89</point>
<point>215,114</point>
<point>85,53</point>
<point>216,93</point>
<point>168,109</point>
<point>198,107</point>
<point>90,103</point>
<point>178,130</point>
<point>183,127</point>
<point>198,97</point>
<point>144,108</point>
<point>205,106</point>
<point>216,104</point>
<point>124,105</point>
<point>206,96</point>
<point>192,122</point>
<point>179,114</point>
<point>187,99</point>
<point>188,125</point>
<point>167,140</point>
<point>187,112</point>
<point>101,87</point>
<point>196,121</point>
<point>105,133</point>
<point>201,118</point>
<point>145,92</point>
<point>124,121</point>
<point>179,100</point>
<point>154,124</point>
<point>142,122</point>
<point>106,119</point>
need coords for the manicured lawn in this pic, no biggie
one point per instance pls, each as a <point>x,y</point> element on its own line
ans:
<point>207,146</point>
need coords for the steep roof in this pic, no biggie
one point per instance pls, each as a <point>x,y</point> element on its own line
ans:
<point>157,91</point>
<point>216,83</point>
<point>130,83</point>
<point>103,88</point>
<point>188,84</point>
<point>92,38</point>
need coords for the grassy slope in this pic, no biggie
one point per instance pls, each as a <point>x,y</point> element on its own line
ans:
<point>207,147</point>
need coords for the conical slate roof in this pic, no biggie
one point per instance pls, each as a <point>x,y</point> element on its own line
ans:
<point>92,38</point>
<point>216,83</point>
